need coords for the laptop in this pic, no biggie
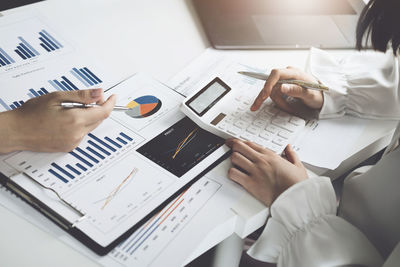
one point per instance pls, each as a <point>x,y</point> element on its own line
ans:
<point>259,24</point>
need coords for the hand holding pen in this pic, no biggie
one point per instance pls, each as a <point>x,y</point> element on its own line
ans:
<point>41,125</point>
<point>280,84</point>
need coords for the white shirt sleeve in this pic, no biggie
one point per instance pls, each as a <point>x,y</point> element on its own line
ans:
<point>364,84</point>
<point>303,230</point>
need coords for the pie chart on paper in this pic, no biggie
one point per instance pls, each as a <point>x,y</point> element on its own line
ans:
<point>143,106</point>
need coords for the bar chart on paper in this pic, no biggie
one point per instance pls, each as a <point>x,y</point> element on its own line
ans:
<point>26,41</point>
<point>62,171</point>
<point>75,79</point>
<point>144,245</point>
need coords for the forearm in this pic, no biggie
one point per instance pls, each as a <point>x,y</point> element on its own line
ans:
<point>10,137</point>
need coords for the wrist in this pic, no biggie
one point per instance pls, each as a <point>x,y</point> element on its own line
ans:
<point>11,138</point>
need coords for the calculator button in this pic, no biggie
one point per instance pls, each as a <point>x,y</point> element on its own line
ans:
<point>272,129</point>
<point>265,135</point>
<point>229,120</point>
<point>271,110</point>
<point>283,116</point>
<point>296,121</point>
<point>278,122</point>
<point>236,113</point>
<point>234,130</point>
<point>222,125</point>
<point>247,136</point>
<point>279,141</point>
<point>242,107</point>
<point>247,117</point>
<point>248,101</point>
<point>284,134</point>
<point>288,126</point>
<point>241,124</point>
<point>253,129</point>
<point>259,123</point>
<point>238,98</point>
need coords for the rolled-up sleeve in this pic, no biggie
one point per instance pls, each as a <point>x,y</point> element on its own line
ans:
<point>303,230</point>
<point>364,84</point>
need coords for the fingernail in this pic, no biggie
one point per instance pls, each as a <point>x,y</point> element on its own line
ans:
<point>95,93</point>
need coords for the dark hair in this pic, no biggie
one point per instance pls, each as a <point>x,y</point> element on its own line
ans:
<point>380,21</point>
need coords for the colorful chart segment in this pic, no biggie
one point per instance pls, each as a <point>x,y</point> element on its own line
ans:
<point>143,106</point>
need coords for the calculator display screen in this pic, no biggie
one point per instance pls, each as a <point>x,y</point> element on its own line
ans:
<point>208,97</point>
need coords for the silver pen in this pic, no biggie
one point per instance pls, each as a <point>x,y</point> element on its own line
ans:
<point>307,85</point>
<point>80,105</point>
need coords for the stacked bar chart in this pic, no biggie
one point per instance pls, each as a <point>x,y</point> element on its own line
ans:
<point>48,42</point>
<point>5,59</point>
<point>85,76</point>
<point>25,50</point>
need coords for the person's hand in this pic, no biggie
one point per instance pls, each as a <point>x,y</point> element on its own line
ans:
<point>263,173</point>
<point>41,124</point>
<point>278,92</point>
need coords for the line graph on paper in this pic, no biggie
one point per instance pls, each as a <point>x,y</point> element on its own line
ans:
<point>118,189</point>
<point>119,192</point>
<point>182,144</point>
<point>144,245</point>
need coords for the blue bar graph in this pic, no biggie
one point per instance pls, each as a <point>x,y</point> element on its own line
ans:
<point>55,85</point>
<point>16,104</point>
<point>44,90</point>
<point>67,86</point>
<point>2,63</point>
<point>20,54</point>
<point>84,158</point>
<point>91,150</point>
<point>81,167</point>
<point>52,38</point>
<point>5,106</point>
<point>13,107</point>
<point>48,42</point>
<point>6,55</point>
<point>55,165</point>
<point>99,147</point>
<point>73,169</point>
<point>86,76</point>
<point>92,74</point>
<point>122,140</point>
<point>20,49</point>
<point>81,159</point>
<point>102,142</point>
<point>33,92</point>
<point>126,136</point>
<point>69,82</point>
<point>113,142</point>
<point>83,76</point>
<point>4,59</point>
<point>27,50</point>
<point>93,80</point>
<point>40,92</point>
<point>58,176</point>
<point>29,46</point>
<point>80,150</point>
<point>45,47</point>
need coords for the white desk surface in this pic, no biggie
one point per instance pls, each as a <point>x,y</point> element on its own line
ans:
<point>159,37</point>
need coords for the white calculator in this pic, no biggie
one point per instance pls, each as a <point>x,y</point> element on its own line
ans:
<point>225,112</point>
